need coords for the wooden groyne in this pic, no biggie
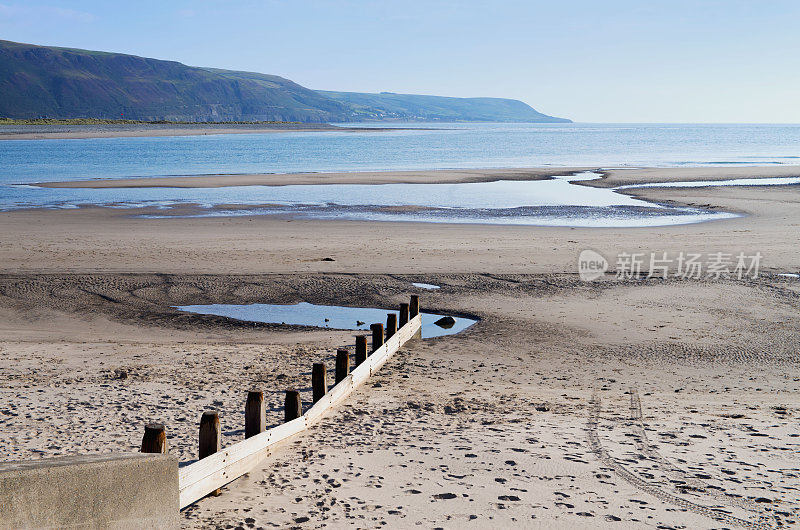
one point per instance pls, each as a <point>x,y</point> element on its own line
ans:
<point>217,465</point>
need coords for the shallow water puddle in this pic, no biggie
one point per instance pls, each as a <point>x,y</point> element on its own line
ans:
<point>325,316</point>
<point>767,181</point>
<point>557,201</point>
<point>428,286</point>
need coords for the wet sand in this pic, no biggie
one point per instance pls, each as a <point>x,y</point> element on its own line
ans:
<point>112,240</point>
<point>624,177</point>
<point>622,403</point>
<point>611,177</point>
<point>451,176</point>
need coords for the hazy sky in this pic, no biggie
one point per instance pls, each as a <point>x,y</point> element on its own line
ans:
<point>596,61</point>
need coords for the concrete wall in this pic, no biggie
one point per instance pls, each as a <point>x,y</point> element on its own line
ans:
<point>99,491</point>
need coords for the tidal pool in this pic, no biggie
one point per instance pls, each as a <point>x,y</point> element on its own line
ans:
<point>428,286</point>
<point>766,181</point>
<point>323,316</point>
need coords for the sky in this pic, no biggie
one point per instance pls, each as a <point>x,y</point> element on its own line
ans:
<point>725,61</point>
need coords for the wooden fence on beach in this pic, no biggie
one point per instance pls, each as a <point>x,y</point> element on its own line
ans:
<point>218,466</point>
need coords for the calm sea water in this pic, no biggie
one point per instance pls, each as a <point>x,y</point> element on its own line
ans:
<point>555,202</point>
<point>454,146</point>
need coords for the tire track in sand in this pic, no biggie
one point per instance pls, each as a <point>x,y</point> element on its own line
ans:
<point>655,490</point>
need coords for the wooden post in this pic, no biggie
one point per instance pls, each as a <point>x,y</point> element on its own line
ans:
<point>403,315</point>
<point>210,434</point>
<point>414,307</point>
<point>292,406</point>
<point>210,438</point>
<point>391,325</point>
<point>154,439</point>
<point>361,349</point>
<point>342,364</point>
<point>319,381</point>
<point>377,336</point>
<point>255,418</point>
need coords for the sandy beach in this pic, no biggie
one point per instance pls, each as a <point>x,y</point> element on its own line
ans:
<point>452,176</point>
<point>611,177</point>
<point>621,403</point>
<point>93,239</point>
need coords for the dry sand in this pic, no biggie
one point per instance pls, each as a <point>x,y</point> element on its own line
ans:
<point>625,404</point>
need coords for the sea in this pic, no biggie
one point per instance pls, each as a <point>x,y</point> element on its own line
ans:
<point>559,202</point>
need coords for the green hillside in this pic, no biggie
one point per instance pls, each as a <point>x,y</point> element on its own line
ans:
<point>50,82</point>
<point>413,107</point>
<point>39,81</point>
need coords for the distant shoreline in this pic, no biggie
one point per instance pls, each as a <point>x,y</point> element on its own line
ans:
<point>74,131</point>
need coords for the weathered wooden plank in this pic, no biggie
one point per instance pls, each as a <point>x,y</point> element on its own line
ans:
<point>342,364</point>
<point>319,381</point>
<point>361,349</point>
<point>204,476</point>
<point>154,439</point>
<point>200,469</point>
<point>292,406</point>
<point>316,412</point>
<point>255,420</point>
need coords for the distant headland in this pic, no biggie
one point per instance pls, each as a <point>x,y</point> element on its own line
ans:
<point>65,83</point>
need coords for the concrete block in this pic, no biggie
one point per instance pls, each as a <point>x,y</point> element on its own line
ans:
<point>122,491</point>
